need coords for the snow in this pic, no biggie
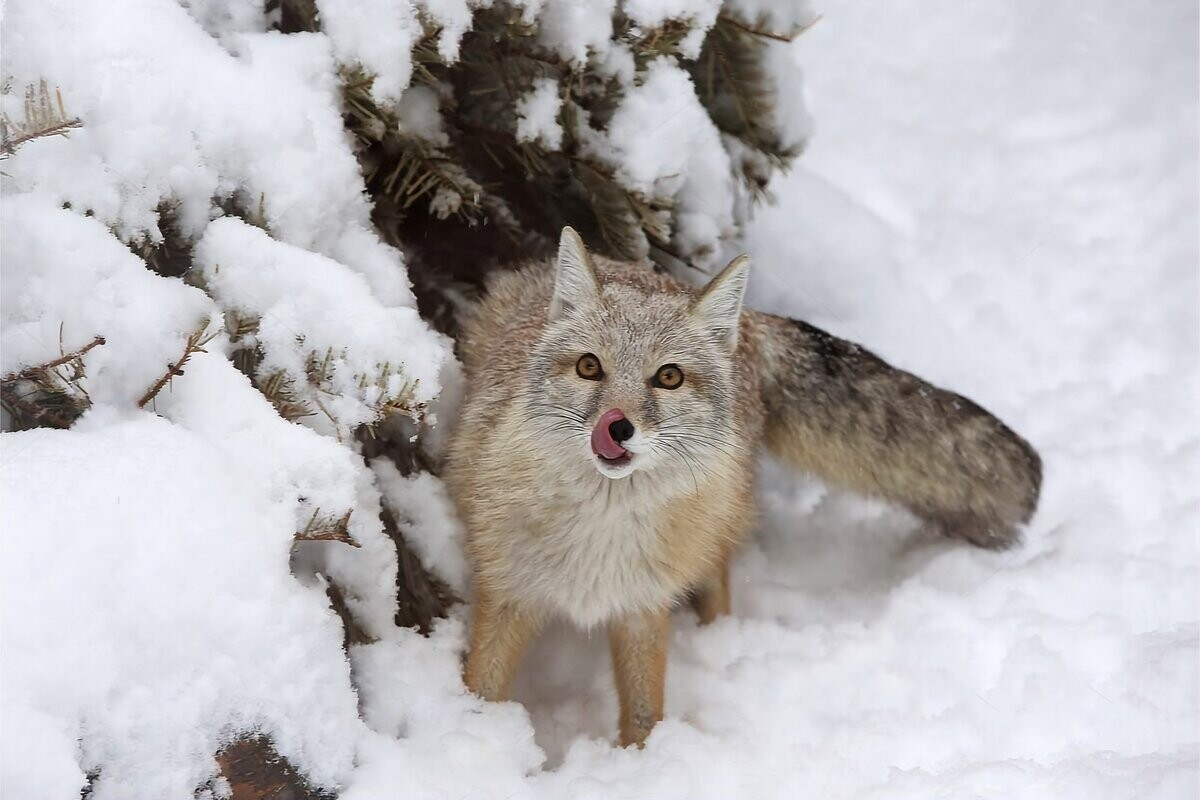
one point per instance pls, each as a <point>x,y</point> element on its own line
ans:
<point>174,615</point>
<point>203,630</point>
<point>537,114</point>
<point>573,29</point>
<point>313,310</point>
<point>453,18</point>
<point>223,17</point>
<point>426,515</point>
<point>663,144</point>
<point>418,115</point>
<point>377,35</point>
<point>69,263</point>
<point>228,125</point>
<point>698,15</point>
<point>976,205</point>
<point>781,18</point>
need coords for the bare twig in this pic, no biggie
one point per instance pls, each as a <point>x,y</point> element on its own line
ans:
<point>30,372</point>
<point>327,529</point>
<point>58,362</point>
<point>195,344</point>
<point>756,31</point>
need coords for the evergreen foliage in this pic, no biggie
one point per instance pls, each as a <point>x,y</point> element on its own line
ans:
<point>44,115</point>
<point>477,197</point>
<point>50,395</point>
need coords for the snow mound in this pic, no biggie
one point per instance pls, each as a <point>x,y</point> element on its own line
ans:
<point>344,354</point>
<point>67,280</point>
<point>663,144</point>
<point>537,114</point>
<point>173,625</point>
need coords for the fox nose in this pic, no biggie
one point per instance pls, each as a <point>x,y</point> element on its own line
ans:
<point>621,430</point>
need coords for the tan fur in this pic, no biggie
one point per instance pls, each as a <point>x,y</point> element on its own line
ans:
<point>639,656</point>
<point>839,411</point>
<point>710,598</point>
<point>550,535</point>
<point>499,636</point>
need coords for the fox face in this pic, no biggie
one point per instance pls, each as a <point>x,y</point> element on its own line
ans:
<point>627,380</point>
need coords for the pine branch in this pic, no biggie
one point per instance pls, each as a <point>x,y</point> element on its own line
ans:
<point>30,372</point>
<point>624,219</point>
<point>619,223</point>
<point>352,631</point>
<point>332,419</point>
<point>736,89</point>
<point>252,769</point>
<point>195,344</point>
<point>425,57</point>
<point>758,30</point>
<point>39,413</point>
<point>649,45</point>
<point>278,388</point>
<point>420,596</point>
<point>44,116</point>
<point>50,394</point>
<point>404,168</point>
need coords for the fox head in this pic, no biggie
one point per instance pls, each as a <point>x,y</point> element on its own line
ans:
<point>631,380</point>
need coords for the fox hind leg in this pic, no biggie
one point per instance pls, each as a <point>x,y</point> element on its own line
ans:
<point>710,599</point>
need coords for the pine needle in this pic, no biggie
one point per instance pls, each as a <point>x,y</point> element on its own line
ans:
<point>44,116</point>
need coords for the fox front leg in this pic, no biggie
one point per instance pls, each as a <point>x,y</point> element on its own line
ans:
<point>639,656</point>
<point>500,632</point>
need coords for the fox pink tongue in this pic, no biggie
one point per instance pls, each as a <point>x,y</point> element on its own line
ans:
<point>603,444</point>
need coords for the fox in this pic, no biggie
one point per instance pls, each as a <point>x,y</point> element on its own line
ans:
<point>611,428</point>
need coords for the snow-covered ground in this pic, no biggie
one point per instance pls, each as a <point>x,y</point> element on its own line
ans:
<point>1001,197</point>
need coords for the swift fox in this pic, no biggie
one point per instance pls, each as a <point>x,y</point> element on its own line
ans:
<point>605,463</point>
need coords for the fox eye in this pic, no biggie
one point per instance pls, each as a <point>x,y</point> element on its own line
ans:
<point>669,376</point>
<point>588,367</point>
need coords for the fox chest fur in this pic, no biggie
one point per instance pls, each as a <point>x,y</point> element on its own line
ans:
<point>595,561</point>
<point>592,550</point>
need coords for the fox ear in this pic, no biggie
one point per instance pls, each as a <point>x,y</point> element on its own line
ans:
<point>575,283</point>
<point>719,306</point>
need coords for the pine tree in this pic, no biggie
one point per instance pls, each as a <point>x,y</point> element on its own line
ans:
<point>481,197</point>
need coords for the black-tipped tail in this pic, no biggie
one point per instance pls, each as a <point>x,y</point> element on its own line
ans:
<point>839,411</point>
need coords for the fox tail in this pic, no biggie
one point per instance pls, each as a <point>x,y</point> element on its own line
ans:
<point>838,411</point>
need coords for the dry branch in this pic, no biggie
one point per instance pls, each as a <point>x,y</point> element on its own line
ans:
<point>758,30</point>
<point>195,344</point>
<point>49,394</point>
<point>327,529</point>
<point>44,116</point>
<point>31,372</point>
